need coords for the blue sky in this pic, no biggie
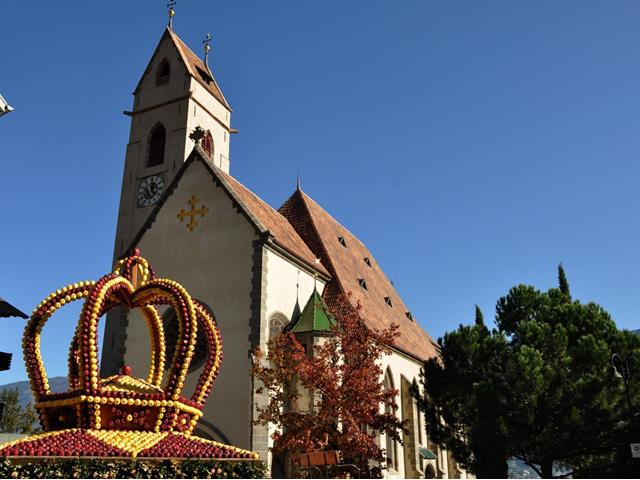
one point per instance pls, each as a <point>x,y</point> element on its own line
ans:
<point>471,145</point>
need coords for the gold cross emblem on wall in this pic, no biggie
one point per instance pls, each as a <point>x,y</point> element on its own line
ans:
<point>193,213</point>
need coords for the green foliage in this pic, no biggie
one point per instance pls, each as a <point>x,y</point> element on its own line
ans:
<point>537,387</point>
<point>563,285</point>
<point>479,317</point>
<point>97,468</point>
<point>16,418</point>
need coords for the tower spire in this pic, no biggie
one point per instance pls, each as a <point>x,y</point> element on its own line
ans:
<point>172,12</point>
<point>207,47</point>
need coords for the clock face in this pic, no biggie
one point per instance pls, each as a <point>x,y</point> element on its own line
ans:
<point>150,190</point>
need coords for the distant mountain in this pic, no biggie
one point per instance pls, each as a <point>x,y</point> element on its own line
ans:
<point>57,384</point>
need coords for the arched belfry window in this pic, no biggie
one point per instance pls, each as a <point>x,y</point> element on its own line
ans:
<point>164,72</point>
<point>156,146</point>
<point>207,144</point>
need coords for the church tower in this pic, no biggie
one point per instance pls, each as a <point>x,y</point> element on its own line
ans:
<point>176,94</point>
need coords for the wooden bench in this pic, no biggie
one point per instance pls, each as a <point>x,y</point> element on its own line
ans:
<point>318,461</point>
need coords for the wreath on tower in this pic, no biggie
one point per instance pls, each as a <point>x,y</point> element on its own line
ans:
<point>121,415</point>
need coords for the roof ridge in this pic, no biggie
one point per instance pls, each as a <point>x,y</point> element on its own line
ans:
<point>329,265</point>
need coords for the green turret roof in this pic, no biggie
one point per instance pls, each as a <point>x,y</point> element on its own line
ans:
<point>315,317</point>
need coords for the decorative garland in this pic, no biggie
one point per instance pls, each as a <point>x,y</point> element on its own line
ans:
<point>103,468</point>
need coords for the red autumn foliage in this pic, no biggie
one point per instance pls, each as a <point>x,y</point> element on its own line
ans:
<point>344,379</point>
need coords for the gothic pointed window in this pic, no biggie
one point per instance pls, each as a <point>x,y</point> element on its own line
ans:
<point>207,144</point>
<point>156,146</point>
<point>391,446</point>
<point>277,324</point>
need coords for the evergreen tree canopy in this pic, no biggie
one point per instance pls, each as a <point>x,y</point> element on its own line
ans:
<point>479,317</point>
<point>537,387</point>
<point>563,285</point>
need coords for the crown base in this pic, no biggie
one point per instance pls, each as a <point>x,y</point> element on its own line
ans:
<point>122,444</point>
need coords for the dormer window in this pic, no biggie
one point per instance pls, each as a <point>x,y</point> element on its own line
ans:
<point>367,261</point>
<point>342,242</point>
<point>409,316</point>
<point>204,76</point>
<point>362,283</point>
<point>164,73</point>
<point>387,300</point>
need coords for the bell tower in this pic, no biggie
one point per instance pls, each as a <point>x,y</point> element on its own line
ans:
<point>176,94</point>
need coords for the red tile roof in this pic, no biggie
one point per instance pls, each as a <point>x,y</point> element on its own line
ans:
<point>347,266</point>
<point>278,226</point>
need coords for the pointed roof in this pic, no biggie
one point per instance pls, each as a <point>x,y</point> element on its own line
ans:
<point>354,270</point>
<point>271,224</point>
<point>198,70</point>
<point>195,67</point>
<point>315,317</point>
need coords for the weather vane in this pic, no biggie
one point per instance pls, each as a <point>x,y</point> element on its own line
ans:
<point>172,12</point>
<point>207,47</point>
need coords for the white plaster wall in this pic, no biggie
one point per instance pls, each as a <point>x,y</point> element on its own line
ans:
<point>403,365</point>
<point>210,118</point>
<point>399,365</point>
<point>282,295</point>
<point>214,263</point>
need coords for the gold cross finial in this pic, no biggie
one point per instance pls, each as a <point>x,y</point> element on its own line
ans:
<point>207,47</point>
<point>193,213</point>
<point>172,12</point>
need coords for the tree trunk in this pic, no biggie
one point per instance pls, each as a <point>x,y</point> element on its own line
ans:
<point>546,467</point>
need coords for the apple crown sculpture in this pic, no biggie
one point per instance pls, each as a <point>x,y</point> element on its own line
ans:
<point>123,416</point>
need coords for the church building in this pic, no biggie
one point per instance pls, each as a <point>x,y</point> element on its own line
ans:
<point>259,269</point>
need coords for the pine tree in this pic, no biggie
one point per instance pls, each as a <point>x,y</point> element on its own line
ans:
<point>563,285</point>
<point>536,388</point>
<point>479,317</point>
